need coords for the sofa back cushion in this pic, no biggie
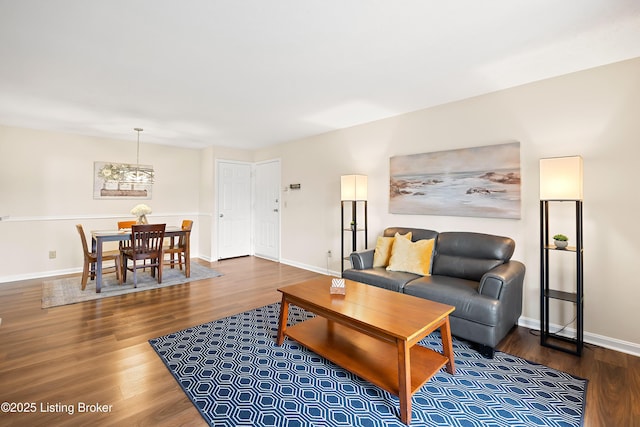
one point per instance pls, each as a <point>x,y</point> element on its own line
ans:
<point>469,255</point>
<point>416,233</point>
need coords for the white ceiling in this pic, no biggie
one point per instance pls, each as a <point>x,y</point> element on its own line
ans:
<point>250,73</point>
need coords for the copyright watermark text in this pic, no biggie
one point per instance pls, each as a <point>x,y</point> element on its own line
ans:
<point>55,407</point>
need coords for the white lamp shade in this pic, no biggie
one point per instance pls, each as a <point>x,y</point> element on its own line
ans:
<point>561,178</point>
<point>353,187</point>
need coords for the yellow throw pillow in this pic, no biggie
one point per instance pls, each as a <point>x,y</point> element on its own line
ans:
<point>412,257</point>
<point>383,249</point>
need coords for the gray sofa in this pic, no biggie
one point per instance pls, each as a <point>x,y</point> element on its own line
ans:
<point>471,271</point>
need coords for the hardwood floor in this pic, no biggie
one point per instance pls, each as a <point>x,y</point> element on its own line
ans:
<point>97,352</point>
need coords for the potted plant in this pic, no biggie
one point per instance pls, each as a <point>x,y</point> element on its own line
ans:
<point>561,241</point>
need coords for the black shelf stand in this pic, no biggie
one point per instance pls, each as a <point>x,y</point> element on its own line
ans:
<point>352,230</point>
<point>572,345</point>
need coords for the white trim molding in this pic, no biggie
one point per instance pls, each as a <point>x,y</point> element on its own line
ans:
<point>77,217</point>
<point>590,338</point>
<point>39,275</point>
<point>310,268</point>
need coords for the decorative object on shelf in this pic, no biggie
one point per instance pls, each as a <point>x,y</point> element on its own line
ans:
<point>473,182</point>
<point>561,241</point>
<point>353,189</point>
<point>123,180</point>
<point>141,211</point>
<point>561,181</point>
<point>337,287</point>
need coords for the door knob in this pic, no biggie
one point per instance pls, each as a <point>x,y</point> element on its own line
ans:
<point>221,215</point>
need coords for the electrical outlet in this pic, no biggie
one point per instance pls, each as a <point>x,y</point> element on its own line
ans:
<point>52,254</point>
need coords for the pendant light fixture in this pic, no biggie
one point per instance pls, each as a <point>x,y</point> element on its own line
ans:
<point>133,174</point>
<point>124,179</point>
<point>142,175</point>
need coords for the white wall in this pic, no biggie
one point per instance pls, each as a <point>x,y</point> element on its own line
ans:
<point>593,113</point>
<point>45,186</point>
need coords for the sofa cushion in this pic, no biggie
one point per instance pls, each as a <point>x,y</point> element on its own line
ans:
<point>384,245</point>
<point>380,277</point>
<point>460,293</point>
<point>469,255</point>
<point>416,233</point>
<point>411,257</point>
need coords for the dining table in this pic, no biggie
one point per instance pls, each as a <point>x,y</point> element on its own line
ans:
<point>98,237</point>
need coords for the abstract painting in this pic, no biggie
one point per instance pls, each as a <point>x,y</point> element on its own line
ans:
<point>475,182</point>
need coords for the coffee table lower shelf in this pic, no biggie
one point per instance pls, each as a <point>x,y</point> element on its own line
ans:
<point>370,358</point>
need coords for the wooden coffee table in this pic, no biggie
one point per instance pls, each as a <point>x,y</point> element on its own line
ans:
<point>371,332</point>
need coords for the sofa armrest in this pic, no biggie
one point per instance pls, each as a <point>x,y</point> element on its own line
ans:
<point>362,260</point>
<point>496,281</point>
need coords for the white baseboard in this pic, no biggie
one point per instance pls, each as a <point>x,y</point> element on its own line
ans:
<point>590,338</point>
<point>266,257</point>
<point>40,275</point>
<point>311,268</point>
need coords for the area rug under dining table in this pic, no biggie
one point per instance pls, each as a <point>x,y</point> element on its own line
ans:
<point>234,374</point>
<point>69,290</point>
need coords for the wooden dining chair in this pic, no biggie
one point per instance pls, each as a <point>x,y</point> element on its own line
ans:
<point>146,245</point>
<point>92,258</point>
<point>125,224</point>
<point>123,244</point>
<point>178,247</point>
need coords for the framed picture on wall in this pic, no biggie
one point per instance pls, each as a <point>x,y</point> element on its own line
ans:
<point>122,181</point>
<point>476,182</point>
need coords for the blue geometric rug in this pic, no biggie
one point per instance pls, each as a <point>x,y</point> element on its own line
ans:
<point>235,375</point>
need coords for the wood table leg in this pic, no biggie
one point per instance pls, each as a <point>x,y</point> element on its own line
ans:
<point>99,265</point>
<point>93,264</point>
<point>404,380</point>
<point>282,323</point>
<point>447,345</point>
<point>187,254</point>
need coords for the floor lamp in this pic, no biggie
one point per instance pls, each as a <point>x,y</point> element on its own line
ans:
<point>353,189</point>
<point>561,181</point>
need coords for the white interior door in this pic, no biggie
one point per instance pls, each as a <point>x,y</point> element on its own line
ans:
<point>267,210</point>
<point>234,209</point>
